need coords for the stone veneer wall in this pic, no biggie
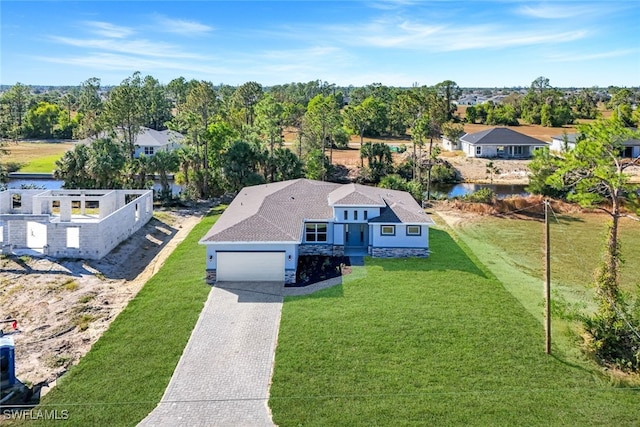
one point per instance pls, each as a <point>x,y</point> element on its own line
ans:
<point>211,277</point>
<point>338,250</point>
<point>326,250</point>
<point>399,252</point>
<point>289,276</point>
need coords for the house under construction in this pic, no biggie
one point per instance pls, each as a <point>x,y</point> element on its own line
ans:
<point>84,224</point>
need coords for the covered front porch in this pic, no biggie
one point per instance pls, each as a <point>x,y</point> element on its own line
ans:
<point>356,239</point>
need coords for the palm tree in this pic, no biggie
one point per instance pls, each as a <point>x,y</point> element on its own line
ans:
<point>163,163</point>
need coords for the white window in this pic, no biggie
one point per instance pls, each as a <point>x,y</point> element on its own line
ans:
<point>414,230</point>
<point>316,232</point>
<point>73,237</point>
<point>148,151</point>
<point>388,230</point>
<point>478,150</point>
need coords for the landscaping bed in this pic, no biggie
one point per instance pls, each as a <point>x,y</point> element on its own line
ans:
<point>316,268</point>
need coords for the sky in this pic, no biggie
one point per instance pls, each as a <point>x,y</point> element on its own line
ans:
<point>396,42</point>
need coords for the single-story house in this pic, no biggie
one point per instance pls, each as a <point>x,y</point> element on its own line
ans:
<point>500,142</point>
<point>567,142</point>
<point>267,227</point>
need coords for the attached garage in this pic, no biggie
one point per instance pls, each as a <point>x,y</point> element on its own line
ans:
<point>250,266</point>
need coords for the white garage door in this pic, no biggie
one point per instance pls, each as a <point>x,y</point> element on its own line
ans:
<point>250,267</point>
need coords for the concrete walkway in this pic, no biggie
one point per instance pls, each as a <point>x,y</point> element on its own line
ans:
<point>223,376</point>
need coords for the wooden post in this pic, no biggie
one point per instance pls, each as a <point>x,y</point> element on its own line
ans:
<point>547,280</point>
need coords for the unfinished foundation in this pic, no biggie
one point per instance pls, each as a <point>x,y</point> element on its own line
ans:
<point>84,224</point>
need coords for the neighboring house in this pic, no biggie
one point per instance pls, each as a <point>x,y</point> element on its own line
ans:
<point>84,224</point>
<point>500,142</point>
<point>150,141</point>
<point>564,142</point>
<point>567,142</point>
<point>450,145</point>
<point>263,231</point>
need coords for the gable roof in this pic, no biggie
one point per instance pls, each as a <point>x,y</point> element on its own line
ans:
<point>355,195</point>
<point>276,212</point>
<point>500,136</point>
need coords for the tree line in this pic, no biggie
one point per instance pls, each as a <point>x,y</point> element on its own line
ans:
<point>235,135</point>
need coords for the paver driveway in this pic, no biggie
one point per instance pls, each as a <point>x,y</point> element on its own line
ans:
<point>223,376</point>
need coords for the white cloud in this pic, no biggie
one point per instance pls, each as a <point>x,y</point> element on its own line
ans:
<point>557,11</point>
<point>181,26</point>
<point>107,29</point>
<point>568,57</point>
<point>137,47</point>
<point>445,38</point>
<point>110,61</point>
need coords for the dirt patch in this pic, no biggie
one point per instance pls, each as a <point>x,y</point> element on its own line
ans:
<point>63,306</point>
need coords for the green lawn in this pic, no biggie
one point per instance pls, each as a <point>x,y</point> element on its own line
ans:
<point>41,165</point>
<point>126,372</point>
<point>512,250</point>
<point>430,342</point>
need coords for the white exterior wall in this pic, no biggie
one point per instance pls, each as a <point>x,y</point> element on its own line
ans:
<point>449,145</point>
<point>487,150</point>
<point>400,240</point>
<point>290,249</point>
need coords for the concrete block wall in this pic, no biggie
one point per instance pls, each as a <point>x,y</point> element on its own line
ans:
<point>123,223</point>
<point>5,202</point>
<point>96,238</point>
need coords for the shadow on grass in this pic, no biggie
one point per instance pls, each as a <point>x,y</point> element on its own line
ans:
<point>446,255</point>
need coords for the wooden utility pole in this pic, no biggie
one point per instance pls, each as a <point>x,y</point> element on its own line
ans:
<point>547,280</point>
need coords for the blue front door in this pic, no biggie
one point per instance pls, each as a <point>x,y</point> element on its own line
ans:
<point>356,235</point>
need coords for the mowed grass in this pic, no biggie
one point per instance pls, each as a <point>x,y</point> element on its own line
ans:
<point>37,157</point>
<point>121,380</point>
<point>430,342</point>
<point>513,250</point>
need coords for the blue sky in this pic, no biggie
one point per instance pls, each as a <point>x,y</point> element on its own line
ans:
<point>396,43</point>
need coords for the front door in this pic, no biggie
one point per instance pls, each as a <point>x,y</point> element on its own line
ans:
<point>355,235</point>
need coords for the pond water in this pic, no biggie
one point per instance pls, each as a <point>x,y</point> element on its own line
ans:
<point>462,189</point>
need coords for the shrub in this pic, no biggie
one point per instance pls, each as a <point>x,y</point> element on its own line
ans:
<point>484,195</point>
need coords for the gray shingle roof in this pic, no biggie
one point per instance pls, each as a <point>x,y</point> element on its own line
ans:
<point>276,212</point>
<point>146,138</point>
<point>155,138</point>
<point>500,136</point>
